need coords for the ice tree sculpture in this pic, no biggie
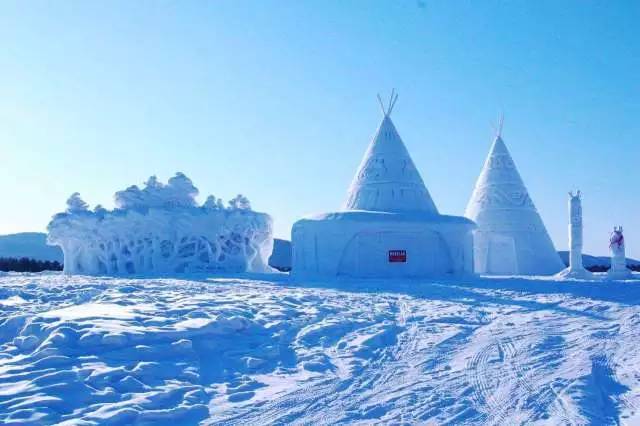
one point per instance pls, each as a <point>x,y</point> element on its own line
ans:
<point>161,229</point>
<point>618,268</point>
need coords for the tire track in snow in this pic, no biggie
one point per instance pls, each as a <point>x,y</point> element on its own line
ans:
<point>507,380</point>
<point>374,357</point>
<point>386,385</point>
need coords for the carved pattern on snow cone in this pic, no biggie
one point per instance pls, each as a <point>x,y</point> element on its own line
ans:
<point>501,162</point>
<point>499,198</point>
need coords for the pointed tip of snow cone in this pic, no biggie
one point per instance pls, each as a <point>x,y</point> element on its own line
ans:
<point>387,178</point>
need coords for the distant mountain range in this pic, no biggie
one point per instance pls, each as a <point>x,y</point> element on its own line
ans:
<point>594,261</point>
<point>34,245</point>
<point>29,244</point>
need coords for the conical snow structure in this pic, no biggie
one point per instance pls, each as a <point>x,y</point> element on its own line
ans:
<point>387,180</point>
<point>389,226</point>
<point>511,238</point>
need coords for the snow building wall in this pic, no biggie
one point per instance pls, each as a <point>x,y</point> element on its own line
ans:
<point>160,229</point>
<point>339,247</point>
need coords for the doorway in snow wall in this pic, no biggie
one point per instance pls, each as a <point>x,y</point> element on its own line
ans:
<point>393,254</point>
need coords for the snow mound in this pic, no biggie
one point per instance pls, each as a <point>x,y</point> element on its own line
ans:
<point>88,350</point>
<point>161,229</point>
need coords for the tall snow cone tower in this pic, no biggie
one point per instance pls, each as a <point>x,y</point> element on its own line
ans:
<point>389,227</point>
<point>575,269</point>
<point>387,180</point>
<point>511,238</point>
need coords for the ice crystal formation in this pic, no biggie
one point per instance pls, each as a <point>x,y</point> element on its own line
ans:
<point>161,229</point>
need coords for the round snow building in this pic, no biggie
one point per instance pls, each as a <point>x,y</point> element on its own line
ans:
<point>389,226</point>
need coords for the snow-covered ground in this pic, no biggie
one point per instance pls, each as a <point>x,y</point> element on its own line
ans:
<point>250,351</point>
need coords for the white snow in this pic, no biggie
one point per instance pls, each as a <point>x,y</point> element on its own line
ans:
<point>160,229</point>
<point>243,350</point>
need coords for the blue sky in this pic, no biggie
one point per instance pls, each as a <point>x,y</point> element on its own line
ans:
<point>276,99</point>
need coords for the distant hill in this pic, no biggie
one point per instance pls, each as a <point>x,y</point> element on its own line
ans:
<point>34,246</point>
<point>29,244</point>
<point>597,262</point>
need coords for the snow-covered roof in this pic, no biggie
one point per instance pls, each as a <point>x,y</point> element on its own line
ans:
<point>377,216</point>
<point>387,180</point>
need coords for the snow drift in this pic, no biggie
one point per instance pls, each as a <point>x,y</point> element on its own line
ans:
<point>78,350</point>
<point>160,228</point>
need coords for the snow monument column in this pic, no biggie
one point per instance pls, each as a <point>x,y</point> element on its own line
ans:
<point>511,238</point>
<point>575,231</point>
<point>576,268</point>
<point>618,257</point>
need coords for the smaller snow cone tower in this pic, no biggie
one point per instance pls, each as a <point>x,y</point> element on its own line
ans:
<point>511,238</point>
<point>618,258</point>
<point>576,268</point>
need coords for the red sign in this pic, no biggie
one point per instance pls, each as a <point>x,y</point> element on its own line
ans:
<point>397,256</point>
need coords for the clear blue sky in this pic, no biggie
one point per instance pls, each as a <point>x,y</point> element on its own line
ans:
<point>277,100</point>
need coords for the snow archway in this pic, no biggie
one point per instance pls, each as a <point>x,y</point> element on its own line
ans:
<point>422,253</point>
<point>366,244</point>
<point>496,254</point>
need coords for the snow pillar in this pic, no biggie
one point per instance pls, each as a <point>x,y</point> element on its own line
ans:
<point>618,258</point>
<point>576,268</point>
<point>575,232</point>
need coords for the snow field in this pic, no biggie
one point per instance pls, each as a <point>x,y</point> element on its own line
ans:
<point>90,350</point>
